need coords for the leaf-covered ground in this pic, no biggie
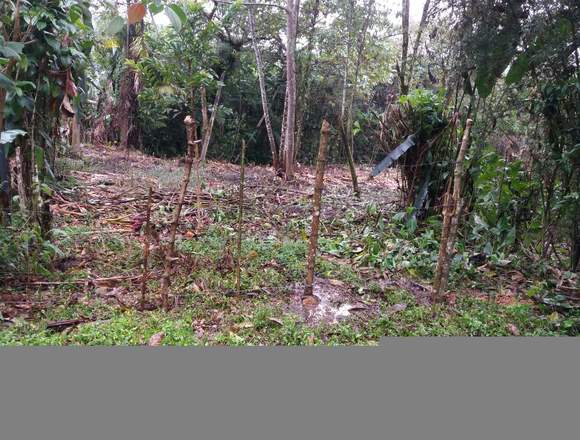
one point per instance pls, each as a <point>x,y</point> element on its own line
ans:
<point>373,269</point>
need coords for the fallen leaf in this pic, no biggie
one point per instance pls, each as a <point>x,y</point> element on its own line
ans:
<point>451,299</point>
<point>554,317</point>
<point>517,276</point>
<point>357,307</point>
<point>396,308</point>
<point>102,291</point>
<point>251,255</point>
<point>310,301</point>
<point>513,330</point>
<point>242,325</point>
<point>156,339</point>
<point>336,282</point>
<point>136,13</point>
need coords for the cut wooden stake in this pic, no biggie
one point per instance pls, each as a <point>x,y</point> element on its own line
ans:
<point>240,218</point>
<point>199,208</point>
<point>146,250</point>
<point>320,164</point>
<point>452,211</point>
<point>191,130</point>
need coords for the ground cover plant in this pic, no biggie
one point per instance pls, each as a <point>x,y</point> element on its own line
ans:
<point>316,173</point>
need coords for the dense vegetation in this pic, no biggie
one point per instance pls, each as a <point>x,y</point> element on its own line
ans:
<point>99,99</point>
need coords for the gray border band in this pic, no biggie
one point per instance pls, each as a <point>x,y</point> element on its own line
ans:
<point>512,388</point>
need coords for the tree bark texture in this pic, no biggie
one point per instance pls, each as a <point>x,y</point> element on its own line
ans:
<point>4,167</point>
<point>453,206</point>
<point>305,80</point>
<point>127,108</point>
<point>209,131</point>
<point>240,218</point>
<point>146,242</point>
<point>293,7</point>
<point>191,129</point>
<point>422,25</point>
<point>263,94</point>
<point>405,47</point>
<point>316,204</point>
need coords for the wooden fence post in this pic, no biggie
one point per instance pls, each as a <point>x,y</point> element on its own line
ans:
<point>146,250</point>
<point>318,186</point>
<point>240,218</point>
<point>190,127</point>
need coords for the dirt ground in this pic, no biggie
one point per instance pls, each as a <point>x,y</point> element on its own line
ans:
<point>109,196</point>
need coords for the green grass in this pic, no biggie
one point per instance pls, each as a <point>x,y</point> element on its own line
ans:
<point>257,322</point>
<point>260,319</point>
<point>204,280</point>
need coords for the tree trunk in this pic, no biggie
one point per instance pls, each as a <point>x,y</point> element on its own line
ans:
<point>282,148</point>
<point>4,167</point>
<point>293,7</point>
<point>405,47</point>
<point>318,186</point>
<point>263,95</point>
<point>350,159</point>
<point>5,181</point>
<point>23,180</point>
<point>575,257</point>
<point>75,130</point>
<point>422,26</point>
<point>347,125</point>
<point>453,206</point>
<point>128,103</point>
<point>204,117</point>
<point>304,80</point>
<point>208,133</point>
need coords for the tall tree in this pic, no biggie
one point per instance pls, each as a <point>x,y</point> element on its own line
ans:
<point>346,113</point>
<point>405,47</point>
<point>420,30</point>
<point>305,77</point>
<point>127,108</point>
<point>292,10</point>
<point>263,94</point>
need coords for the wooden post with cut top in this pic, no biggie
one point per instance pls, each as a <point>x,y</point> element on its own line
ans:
<point>318,186</point>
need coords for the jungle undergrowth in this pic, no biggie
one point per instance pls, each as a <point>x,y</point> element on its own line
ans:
<point>355,246</point>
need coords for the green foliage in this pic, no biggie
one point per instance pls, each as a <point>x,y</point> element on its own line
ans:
<point>504,192</point>
<point>24,250</point>
<point>392,243</point>
<point>551,39</point>
<point>176,16</point>
<point>116,25</point>
<point>490,36</point>
<point>266,263</point>
<point>424,112</point>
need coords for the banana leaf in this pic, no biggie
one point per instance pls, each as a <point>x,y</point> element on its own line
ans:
<point>394,155</point>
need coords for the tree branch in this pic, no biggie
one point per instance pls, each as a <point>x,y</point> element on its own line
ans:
<point>253,4</point>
